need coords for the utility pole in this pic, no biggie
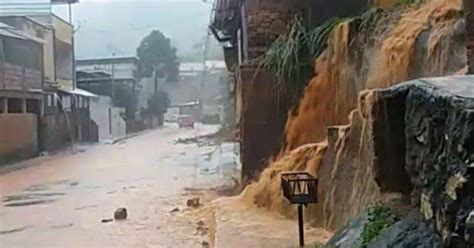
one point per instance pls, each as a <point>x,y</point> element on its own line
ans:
<point>113,79</point>
<point>155,78</point>
<point>204,55</point>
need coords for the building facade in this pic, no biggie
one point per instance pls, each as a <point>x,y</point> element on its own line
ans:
<point>63,112</point>
<point>21,83</point>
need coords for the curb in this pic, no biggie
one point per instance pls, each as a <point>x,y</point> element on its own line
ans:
<point>129,136</point>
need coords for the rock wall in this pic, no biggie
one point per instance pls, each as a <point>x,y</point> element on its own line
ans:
<point>435,171</point>
<point>439,158</point>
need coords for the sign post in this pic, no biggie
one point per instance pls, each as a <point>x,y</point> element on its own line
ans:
<point>300,188</point>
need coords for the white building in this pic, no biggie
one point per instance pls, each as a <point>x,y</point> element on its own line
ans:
<point>111,125</point>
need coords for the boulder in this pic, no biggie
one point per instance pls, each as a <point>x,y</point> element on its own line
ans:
<point>411,231</point>
<point>350,235</point>
<point>120,214</point>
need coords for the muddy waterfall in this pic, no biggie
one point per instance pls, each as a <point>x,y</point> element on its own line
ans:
<point>367,137</point>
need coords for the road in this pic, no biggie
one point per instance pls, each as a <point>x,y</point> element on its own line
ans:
<point>60,201</point>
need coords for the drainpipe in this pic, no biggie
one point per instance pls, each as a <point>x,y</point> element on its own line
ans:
<point>469,18</point>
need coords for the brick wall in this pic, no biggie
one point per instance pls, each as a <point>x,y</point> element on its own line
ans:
<point>263,27</point>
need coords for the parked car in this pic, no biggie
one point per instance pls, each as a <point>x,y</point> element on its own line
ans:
<point>185,121</point>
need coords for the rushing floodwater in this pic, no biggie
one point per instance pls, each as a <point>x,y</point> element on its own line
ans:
<point>59,201</point>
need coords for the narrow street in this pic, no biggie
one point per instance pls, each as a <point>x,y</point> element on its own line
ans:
<point>60,201</point>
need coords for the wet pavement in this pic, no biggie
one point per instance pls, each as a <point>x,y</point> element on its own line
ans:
<point>61,200</point>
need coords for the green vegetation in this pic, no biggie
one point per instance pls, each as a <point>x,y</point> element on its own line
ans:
<point>291,56</point>
<point>369,19</point>
<point>380,218</point>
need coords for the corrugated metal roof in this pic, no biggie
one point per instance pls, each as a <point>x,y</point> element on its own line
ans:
<point>79,92</point>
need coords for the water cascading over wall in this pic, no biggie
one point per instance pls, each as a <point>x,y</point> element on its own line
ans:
<point>394,47</point>
<point>331,136</point>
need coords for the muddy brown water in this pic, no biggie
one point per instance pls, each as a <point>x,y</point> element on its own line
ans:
<point>61,201</point>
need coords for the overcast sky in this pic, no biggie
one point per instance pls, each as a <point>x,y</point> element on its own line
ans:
<point>118,26</point>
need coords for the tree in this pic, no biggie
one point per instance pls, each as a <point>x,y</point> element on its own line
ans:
<point>157,57</point>
<point>158,103</point>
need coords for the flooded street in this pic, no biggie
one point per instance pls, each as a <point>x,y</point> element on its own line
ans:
<point>60,201</point>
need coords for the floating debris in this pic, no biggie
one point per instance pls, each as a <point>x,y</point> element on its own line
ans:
<point>106,220</point>
<point>193,202</point>
<point>174,210</point>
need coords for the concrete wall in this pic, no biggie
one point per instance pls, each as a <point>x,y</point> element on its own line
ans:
<point>63,30</point>
<point>64,63</point>
<point>18,137</point>
<point>63,48</point>
<point>108,119</point>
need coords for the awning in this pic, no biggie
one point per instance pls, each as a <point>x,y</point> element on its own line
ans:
<point>79,92</point>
